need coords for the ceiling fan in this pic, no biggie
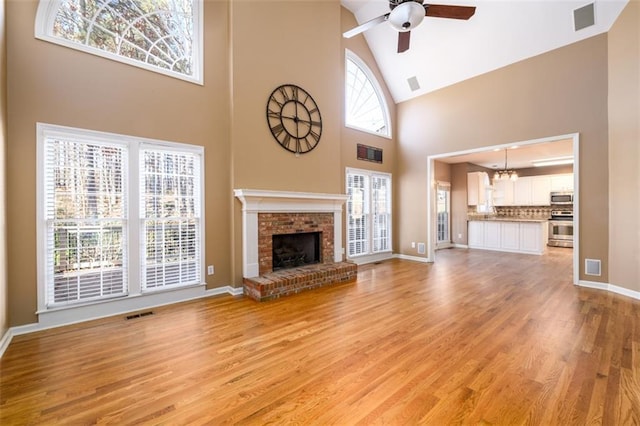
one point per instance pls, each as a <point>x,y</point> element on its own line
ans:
<point>406,15</point>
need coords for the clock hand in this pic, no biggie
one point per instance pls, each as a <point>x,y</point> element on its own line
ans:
<point>297,119</point>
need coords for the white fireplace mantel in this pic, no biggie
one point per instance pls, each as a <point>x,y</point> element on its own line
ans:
<point>256,201</point>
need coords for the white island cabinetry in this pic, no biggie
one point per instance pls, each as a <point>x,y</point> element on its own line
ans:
<point>518,235</point>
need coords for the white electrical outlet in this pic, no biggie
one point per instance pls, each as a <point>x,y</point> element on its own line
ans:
<point>413,244</point>
<point>210,270</point>
<point>459,236</point>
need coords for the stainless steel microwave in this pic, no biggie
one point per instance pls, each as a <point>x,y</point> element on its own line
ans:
<point>564,197</point>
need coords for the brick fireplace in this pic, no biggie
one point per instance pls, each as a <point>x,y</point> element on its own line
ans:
<point>265,213</point>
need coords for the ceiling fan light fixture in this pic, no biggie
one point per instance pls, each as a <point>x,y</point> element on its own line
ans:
<point>406,16</point>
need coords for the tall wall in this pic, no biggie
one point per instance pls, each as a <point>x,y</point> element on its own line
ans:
<point>4,286</point>
<point>53,84</point>
<point>250,48</point>
<point>624,148</point>
<point>274,43</point>
<point>350,138</point>
<point>556,93</point>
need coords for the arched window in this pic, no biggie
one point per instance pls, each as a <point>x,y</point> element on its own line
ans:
<point>164,36</point>
<point>365,106</point>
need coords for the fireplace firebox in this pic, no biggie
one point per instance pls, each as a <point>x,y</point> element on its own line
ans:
<point>295,250</point>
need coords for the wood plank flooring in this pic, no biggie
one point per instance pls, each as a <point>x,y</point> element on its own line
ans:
<point>476,338</point>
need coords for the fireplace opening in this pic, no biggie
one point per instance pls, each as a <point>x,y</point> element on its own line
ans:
<point>294,250</point>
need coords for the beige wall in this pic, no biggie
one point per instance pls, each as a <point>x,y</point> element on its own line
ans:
<point>52,84</point>
<point>624,151</point>
<point>559,92</point>
<point>350,138</point>
<point>4,286</point>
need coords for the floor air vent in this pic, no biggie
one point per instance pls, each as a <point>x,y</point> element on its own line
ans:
<point>140,315</point>
<point>592,267</point>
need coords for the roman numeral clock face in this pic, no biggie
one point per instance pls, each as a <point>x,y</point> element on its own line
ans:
<point>294,119</point>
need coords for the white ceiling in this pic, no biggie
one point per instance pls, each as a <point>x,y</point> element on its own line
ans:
<point>446,51</point>
<point>518,157</point>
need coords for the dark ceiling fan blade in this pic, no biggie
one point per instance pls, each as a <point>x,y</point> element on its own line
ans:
<point>403,41</point>
<point>452,12</point>
<point>364,27</point>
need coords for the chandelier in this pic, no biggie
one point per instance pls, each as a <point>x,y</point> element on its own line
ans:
<point>505,174</point>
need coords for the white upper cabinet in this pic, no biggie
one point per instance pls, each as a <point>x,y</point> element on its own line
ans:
<point>540,189</point>
<point>562,182</point>
<point>503,193</point>
<point>478,189</point>
<point>522,192</point>
<point>530,190</point>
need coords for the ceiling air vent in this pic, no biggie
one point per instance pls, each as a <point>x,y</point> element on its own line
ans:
<point>584,17</point>
<point>413,83</point>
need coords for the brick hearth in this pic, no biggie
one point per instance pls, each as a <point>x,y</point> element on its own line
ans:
<point>294,280</point>
<point>265,213</point>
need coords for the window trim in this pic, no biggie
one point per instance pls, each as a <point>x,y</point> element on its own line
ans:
<point>46,14</point>
<point>371,255</point>
<point>349,55</point>
<point>133,219</point>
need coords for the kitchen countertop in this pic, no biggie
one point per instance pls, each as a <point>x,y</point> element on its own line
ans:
<point>507,219</point>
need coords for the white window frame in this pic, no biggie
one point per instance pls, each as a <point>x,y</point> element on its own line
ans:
<point>371,255</point>
<point>350,56</point>
<point>134,221</point>
<point>48,10</point>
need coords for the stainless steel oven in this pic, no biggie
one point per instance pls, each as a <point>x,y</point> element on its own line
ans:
<point>561,228</point>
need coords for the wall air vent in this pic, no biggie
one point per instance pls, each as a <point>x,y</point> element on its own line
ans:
<point>584,17</point>
<point>413,83</point>
<point>592,267</point>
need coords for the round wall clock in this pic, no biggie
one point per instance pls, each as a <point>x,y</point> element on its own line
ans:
<point>294,119</point>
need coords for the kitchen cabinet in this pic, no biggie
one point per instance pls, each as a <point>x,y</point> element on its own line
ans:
<point>503,193</point>
<point>532,191</point>
<point>478,188</point>
<point>522,194</point>
<point>540,190</point>
<point>563,182</point>
<point>475,234</point>
<point>529,237</point>
<point>510,236</point>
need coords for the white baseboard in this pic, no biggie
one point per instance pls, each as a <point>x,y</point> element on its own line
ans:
<point>413,258</point>
<point>610,287</point>
<point>5,340</point>
<point>67,318</point>
<point>462,246</point>
<point>363,260</point>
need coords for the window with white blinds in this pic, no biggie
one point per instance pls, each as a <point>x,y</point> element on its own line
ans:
<point>110,205</point>
<point>368,212</point>
<point>85,210</point>
<point>171,218</point>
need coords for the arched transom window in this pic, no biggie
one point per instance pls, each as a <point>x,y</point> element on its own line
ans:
<point>159,35</point>
<point>365,106</point>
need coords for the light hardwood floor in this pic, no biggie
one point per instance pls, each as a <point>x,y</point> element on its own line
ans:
<point>476,338</point>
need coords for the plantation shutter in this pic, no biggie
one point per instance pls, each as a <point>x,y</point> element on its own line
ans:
<point>171,220</point>
<point>357,214</point>
<point>381,206</point>
<point>85,213</point>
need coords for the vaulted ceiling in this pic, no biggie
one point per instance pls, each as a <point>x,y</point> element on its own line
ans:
<point>446,51</point>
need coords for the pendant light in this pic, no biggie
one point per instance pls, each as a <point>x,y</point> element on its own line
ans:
<point>505,174</point>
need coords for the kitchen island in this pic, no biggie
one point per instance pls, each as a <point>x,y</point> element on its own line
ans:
<point>510,234</point>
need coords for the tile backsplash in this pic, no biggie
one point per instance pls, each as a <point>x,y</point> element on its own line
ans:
<point>537,212</point>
